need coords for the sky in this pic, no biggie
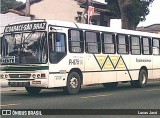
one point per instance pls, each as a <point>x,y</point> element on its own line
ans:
<point>152,18</point>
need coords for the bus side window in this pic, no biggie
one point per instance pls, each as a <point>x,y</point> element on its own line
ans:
<point>135,45</point>
<point>92,44</point>
<point>146,46</point>
<point>108,43</point>
<point>156,46</point>
<point>75,41</point>
<point>122,44</point>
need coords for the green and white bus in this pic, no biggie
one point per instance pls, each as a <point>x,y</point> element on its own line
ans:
<point>57,54</point>
<point>1,36</point>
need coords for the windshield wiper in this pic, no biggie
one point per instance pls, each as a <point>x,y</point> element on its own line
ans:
<point>27,37</point>
<point>30,34</point>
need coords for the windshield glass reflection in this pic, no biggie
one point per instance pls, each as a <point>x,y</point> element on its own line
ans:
<point>24,48</point>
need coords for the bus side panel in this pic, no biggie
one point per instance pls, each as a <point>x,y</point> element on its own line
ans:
<point>76,61</point>
<point>148,62</point>
<point>139,61</point>
<point>108,73</point>
<point>58,73</point>
<point>134,66</point>
<point>92,70</point>
<point>156,66</point>
<point>122,68</point>
<point>134,74</point>
<point>106,77</point>
<point>57,79</point>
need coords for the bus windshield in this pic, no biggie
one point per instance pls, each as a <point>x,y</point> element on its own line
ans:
<point>24,48</point>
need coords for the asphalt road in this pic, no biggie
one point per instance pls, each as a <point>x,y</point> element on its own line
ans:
<point>92,97</point>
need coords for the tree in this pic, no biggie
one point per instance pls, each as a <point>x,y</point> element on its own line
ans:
<point>131,12</point>
<point>9,4</point>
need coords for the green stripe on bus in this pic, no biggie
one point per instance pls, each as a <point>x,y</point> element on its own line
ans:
<point>30,68</point>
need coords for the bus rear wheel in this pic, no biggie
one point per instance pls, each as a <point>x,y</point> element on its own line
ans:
<point>73,84</point>
<point>33,90</point>
<point>110,85</point>
<point>142,80</point>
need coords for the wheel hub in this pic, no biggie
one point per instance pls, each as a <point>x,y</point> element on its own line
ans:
<point>74,82</point>
<point>143,79</point>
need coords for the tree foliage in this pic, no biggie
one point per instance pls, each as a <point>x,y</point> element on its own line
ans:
<point>131,12</point>
<point>9,4</point>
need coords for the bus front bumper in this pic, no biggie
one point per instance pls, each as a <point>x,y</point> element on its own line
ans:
<point>28,83</point>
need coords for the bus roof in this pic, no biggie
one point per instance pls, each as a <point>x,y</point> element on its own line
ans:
<point>91,27</point>
<point>100,28</point>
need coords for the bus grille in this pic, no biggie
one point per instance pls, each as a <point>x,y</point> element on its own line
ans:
<point>19,75</point>
<point>19,84</point>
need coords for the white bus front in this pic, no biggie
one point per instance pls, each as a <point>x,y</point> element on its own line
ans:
<point>24,61</point>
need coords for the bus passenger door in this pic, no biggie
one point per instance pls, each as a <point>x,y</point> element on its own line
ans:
<point>57,58</point>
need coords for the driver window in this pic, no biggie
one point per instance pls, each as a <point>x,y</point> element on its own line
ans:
<point>60,43</point>
<point>57,42</point>
<point>57,47</point>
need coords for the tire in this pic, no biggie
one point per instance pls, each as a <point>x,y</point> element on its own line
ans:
<point>33,90</point>
<point>73,84</point>
<point>142,80</point>
<point>110,85</point>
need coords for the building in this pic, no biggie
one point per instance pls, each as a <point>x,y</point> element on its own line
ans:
<point>12,16</point>
<point>155,28</point>
<point>68,10</point>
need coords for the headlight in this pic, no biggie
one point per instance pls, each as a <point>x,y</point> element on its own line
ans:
<point>34,75</point>
<point>2,76</point>
<point>6,76</point>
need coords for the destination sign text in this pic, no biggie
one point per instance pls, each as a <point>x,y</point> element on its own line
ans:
<point>25,27</point>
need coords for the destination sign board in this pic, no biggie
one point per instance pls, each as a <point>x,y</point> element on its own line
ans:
<point>25,27</point>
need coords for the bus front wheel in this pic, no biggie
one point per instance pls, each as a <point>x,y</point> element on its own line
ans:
<point>33,90</point>
<point>142,80</point>
<point>73,84</point>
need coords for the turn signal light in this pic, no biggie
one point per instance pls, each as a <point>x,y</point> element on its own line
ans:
<point>43,75</point>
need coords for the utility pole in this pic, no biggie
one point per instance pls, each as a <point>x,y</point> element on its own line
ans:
<point>27,7</point>
<point>88,4</point>
<point>90,11</point>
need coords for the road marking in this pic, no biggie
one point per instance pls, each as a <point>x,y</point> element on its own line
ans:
<point>153,90</point>
<point>5,105</point>
<point>97,96</point>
